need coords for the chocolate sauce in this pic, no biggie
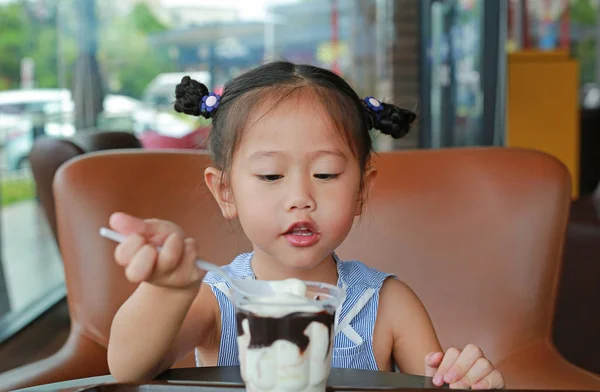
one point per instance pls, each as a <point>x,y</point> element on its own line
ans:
<point>264,331</point>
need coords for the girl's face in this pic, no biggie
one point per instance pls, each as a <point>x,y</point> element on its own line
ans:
<point>294,184</point>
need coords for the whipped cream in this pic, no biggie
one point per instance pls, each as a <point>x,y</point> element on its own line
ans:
<point>285,340</point>
<point>289,286</point>
<point>288,292</point>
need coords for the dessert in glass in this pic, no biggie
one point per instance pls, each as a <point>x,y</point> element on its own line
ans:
<point>285,341</point>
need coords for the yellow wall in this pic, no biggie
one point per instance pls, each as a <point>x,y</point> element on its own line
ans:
<point>543,106</point>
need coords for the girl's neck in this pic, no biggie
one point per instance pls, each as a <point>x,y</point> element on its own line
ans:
<point>265,268</point>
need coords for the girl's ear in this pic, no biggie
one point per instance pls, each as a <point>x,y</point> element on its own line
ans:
<point>221,192</point>
<point>368,183</point>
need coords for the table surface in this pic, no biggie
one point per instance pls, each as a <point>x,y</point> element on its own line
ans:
<point>229,379</point>
<point>164,386</point>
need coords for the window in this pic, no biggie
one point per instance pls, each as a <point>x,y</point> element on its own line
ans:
<point>59,55</point>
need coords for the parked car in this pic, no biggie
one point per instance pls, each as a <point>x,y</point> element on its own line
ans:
<point>23,111</point>
<point>16,107</point>
<point>27,115</point>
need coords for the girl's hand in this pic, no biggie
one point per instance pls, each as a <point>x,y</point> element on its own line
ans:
<point>463,369</point>
<point>173,266</point>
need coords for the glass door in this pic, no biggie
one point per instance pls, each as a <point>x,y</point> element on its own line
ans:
<point>460,60</point>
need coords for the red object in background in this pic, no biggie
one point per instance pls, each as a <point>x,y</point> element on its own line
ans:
<point>564,41</point>
<point>525,25</point>
<point>334,36</point>
<point>193,140</point>
<point>563,20</point>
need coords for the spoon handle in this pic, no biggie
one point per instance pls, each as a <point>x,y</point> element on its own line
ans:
<point>206,266</point>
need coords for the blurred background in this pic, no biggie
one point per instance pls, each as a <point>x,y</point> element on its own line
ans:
<point>70,66</point>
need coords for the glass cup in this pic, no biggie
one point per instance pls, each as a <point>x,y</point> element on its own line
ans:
<point>285,343</point>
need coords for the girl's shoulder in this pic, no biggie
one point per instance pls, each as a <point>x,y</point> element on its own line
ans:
<point>238,269</point>
<point>354,273</point>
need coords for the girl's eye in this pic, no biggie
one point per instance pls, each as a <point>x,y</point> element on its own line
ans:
<point>271,177</point>
<point>321,176</point>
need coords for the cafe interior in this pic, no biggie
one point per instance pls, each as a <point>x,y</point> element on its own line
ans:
<point>501,254</point>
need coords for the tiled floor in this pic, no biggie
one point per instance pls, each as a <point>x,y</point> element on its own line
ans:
<point>30,257</point>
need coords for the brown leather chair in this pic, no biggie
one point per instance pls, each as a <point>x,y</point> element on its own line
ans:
<point>478,233</point>
<point>48,154</point>
<point>163,183</point>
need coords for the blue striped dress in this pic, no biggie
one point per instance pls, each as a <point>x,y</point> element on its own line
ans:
<point>352,346</point>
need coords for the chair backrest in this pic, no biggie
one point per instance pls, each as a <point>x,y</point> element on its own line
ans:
<point>49,153</point>
<point>163,184</point>
<point>477,233</point>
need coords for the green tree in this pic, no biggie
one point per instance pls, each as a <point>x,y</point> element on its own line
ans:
<point>582,12</point>
<point>26,35</point>
<point>583,19</point>
<point>145,21</point>
<point>45,55</point>
<point>128,59</point>
<point>13,44</point>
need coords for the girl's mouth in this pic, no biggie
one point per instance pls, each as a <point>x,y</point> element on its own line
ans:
<point>302,234</point>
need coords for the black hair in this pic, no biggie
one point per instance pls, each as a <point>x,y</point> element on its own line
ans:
<point>280,80</point>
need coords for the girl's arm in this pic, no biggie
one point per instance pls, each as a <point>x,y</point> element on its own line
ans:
<point>155,327</point>
<point>412,331</point>
<point>416,348</point>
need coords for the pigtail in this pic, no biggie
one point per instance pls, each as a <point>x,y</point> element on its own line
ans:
<point>189,97</point>
<point>387,118</point>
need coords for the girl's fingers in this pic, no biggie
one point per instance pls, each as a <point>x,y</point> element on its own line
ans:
<point>142,264</point>
<point>125,251</point>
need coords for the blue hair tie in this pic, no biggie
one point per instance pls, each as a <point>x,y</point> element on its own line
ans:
<point>374,104</point>
<point>210,103</point>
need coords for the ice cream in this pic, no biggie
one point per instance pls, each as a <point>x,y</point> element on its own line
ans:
<point>285,340</point>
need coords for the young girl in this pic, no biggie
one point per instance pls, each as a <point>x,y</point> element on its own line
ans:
<point>291,150</point>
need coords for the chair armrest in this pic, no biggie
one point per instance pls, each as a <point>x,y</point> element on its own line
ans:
<point>540,366</point>
<point>80,357</point>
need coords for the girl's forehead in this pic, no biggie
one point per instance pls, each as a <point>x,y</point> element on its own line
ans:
<point>305,107</point>
<point>298,118</point>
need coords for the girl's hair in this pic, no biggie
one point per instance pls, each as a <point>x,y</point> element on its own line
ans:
<point>279,81</point>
